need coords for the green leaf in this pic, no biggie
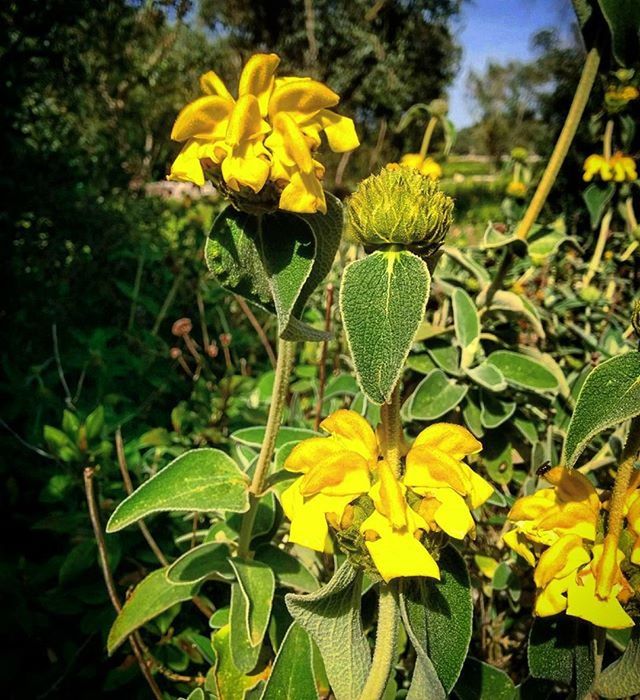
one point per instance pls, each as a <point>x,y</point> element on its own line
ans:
<point>445,354</point>
<point>471,413</point>
<point>497,458</point>
<point>382,300</point>
<point>200,481</point>
<point>623,18</point>
<point>233,254</point>
<point>544,243</point>
<point>481,680</point>
<point>494,412</point>
<point>288,570</point>
<point>254,436</point>
<point>208,559</point>
<point>467,324</point>
<point>151,597</point>
<point>487,376</point>
<point>225,680</point>
<point>514,303</point>
<point>561,649</point>
<point>251,601</point>
<point>292,674</point>
<point>94,423</point>
<point>622,677</point>
<point>597,199</point>
<point>331,617</point>
<point>70,424</point>
<point>447,610</point>
<point>609,395</point>
<point>523,372</point>
<point>468,263</point>
<point>425,682</point>
<point>435,395</point>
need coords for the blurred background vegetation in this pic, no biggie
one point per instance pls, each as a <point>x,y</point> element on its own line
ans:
<point>99,263</point>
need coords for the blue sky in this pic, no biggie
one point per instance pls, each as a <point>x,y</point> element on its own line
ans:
<point>499,30</point>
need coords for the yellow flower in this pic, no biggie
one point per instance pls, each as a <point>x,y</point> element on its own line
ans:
<point>619,168</point>
<point>555,531</point>
<point>265,137</point>
<point>632,512</point>
<point>516,189</point>
<point>427,166</point>
<point>347,464</point>
<point>617,98</point>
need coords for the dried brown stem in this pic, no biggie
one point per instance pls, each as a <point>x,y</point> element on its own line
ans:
<point>257,328</point>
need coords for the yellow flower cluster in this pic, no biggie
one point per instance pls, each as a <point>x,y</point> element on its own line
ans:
<point>516,189</point>
<point>348,464</point>
<point>427,166</point>
<point>556,531</point>
<point>269,134</point>
<point>619,168</point>
<point>617,98</point>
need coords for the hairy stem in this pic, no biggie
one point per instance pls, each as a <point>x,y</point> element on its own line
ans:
<point>286,354</point>
<point>608,569</point>
<point>607,149</point>
<point>596,259</point>
<point>386,638</point>
<point>392,430</point>
<point>322,372</point>
<point>428,133</point>
<point>587,79</point>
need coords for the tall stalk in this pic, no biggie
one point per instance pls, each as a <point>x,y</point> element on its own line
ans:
<point>286,354</point>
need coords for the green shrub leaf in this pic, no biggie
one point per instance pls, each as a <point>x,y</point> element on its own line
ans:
<point>382,299</point>
<point>622,677</point>
<point>487,376</point>
<point>331,616</point>
<point>208,559</point>
<point>523,372</point>
<point>609,395</point>
<point>435,395</point>
<point>441,613</point>
<point>481,680</point>
<point>597,198</point>
<point>288,570</point>
<point>292,674</point>
<point>467,324</point>
<point>152,596</point>
<point>198,481</point>
<point>251,601</point>
<point>494,412</point>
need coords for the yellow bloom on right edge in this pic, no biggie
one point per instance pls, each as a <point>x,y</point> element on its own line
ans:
<point>348,488</point>
<point>619,168</point>
<point>427,166</point>
<point>556,531</point>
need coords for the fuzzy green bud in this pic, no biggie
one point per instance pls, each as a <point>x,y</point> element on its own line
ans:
<point>519,154</point>
<point>402,207</point>
<point>439,108</point>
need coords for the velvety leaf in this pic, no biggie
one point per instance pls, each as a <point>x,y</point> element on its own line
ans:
<point>382,300</point>
<point>445,354</point>
<point>597,198</point>
<point>468,263</point>
<point>225,680</point>
<point>151,597</point>
<point>435,395</point>
<point>610,395</point>
<point>543,244</point>
<point>623,18</point>
<point>331,617</point>
<point>487,376</point>
<point>523,372</point>
<point>481,680</point>
<point>254,436</point>
<point>288,570</point>
<point>292,674</point>
<point>622,677</point>
<point>442,613</point>
<point>200,480</point>
<point>467,324</point>
<point>208,559</point>
<point>251,601</point>
<point>494,412</point>
<point>514,303</point>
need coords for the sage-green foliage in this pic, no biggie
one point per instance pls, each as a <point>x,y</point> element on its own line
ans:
<point>382,300</point>
<point>622,677</point>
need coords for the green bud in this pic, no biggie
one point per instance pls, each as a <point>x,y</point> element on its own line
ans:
<point>590,294</point>
<point>399,207</point>
<point>439,108</point>
<point>519,154</point>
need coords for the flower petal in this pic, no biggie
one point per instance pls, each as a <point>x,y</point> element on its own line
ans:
<point>584,603</point>
<point>351,427</point>
<point>244,167</point>
<point>397,555</point>
<point>453,439</point>
<point>520,545</point>
<point>309,452</point>
<point>428,466</point>
<point>211,84</point>
<point>245,122</point>
<point>340,131</point>
<point>257,78</point>
<point>564,557</point>
<point>186,167</point>
<point>301,98</point>
<point>341,474</point>
<point>294,142</point>
<point>303,195</point>
<point>453,516</point>
<point>388,496</point>
<point>550,599</point>
<point>204,118</point>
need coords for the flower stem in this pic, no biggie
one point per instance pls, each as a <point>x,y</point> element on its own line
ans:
<point>594,263</point>
<point>608,140</point>
<point>608,569</point>
<point>392,430</point>
<point>286,354</point>
<point>428,133</point>
<point>587,79</point>
<point>385,651</point>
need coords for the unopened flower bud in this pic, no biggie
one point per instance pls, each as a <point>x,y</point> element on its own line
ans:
<point>182,327</point>
<point>399,206</point>
<point>225,339</point>
<point>519,154</point>
<point>212,349</point>
<point>439,108</point>
<point>175,353</point>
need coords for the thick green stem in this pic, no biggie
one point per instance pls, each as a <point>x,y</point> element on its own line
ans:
<point>385,651</point>
<point>286,354</point>
<point>392,429</point>
<point>587,79</point>
<point>596,259</point>
<point>608,563</point>
<point>426,139</point>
